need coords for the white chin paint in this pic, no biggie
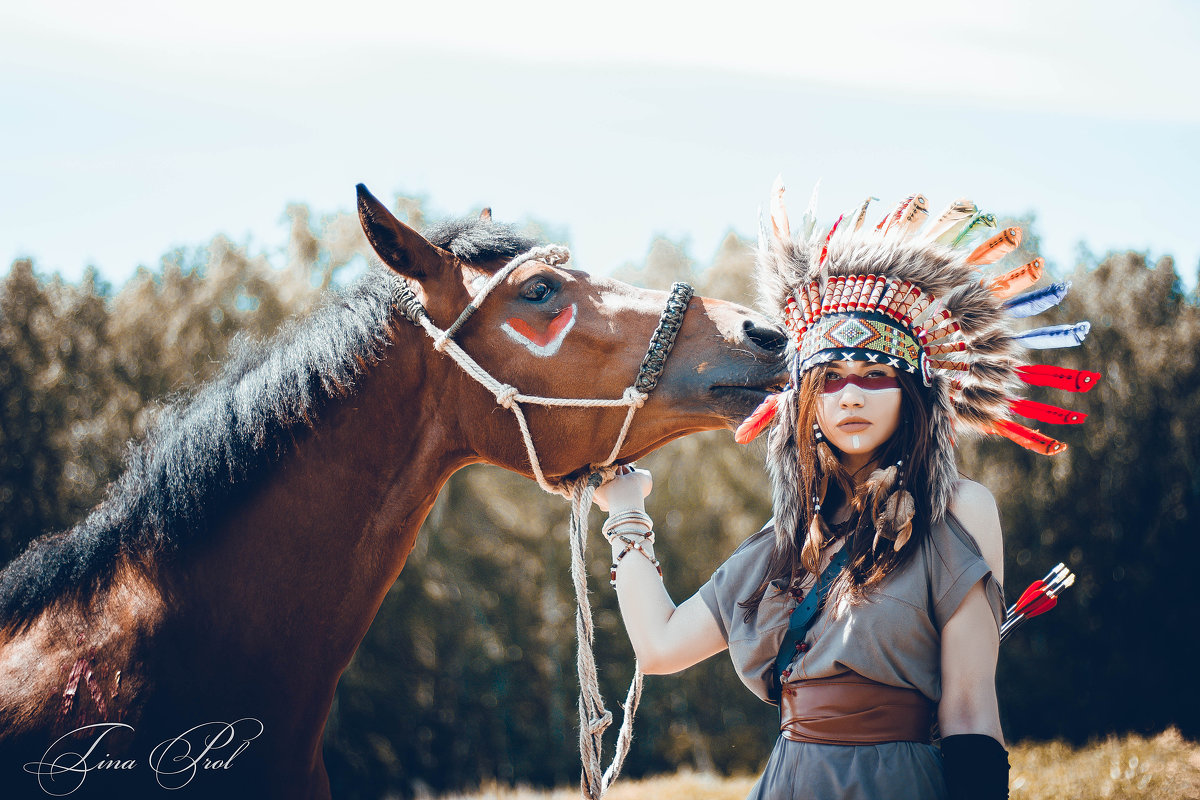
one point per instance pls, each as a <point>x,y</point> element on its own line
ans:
<point>855,441</point>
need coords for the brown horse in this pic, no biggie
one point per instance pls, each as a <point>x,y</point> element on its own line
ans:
<point>200,617</point>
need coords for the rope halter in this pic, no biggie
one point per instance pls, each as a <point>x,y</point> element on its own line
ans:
<point>508,396</point>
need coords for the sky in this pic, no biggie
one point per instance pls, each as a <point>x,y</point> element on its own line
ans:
<point>129,128</point>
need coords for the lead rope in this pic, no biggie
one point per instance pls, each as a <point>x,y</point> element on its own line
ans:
<point>594,718</point>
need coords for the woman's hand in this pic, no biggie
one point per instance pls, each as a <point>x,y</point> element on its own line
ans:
<point>626,490</point>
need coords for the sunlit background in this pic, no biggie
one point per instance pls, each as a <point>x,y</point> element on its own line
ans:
<point>132,127</point>
<point>218,145</point>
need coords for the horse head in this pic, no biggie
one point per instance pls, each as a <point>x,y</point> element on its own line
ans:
<point>551,331</point>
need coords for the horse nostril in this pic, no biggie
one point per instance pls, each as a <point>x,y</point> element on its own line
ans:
<point>771,340</point>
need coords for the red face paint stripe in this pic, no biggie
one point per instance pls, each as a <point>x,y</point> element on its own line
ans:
<point>541,339</point>
<point>874,383</point>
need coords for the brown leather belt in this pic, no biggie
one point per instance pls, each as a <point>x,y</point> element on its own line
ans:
<point>850,709</point>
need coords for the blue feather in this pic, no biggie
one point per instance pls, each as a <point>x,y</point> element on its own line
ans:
<point>1035,302</point>
<point>1054,336</point>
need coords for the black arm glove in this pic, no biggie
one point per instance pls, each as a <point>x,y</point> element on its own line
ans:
<point>975,766</point>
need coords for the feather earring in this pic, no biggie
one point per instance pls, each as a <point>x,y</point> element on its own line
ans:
<point>895,522</point>
<point>876,488</point>
<point>883,523</point>
<point>906,509</point>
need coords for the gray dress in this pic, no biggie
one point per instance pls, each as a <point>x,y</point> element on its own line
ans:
<point>893,638</point>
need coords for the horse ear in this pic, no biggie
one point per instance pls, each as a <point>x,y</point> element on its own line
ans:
<point>486,214</point>
<point>396,244</point>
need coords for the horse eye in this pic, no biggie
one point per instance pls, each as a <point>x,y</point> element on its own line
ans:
<point>537,291</point>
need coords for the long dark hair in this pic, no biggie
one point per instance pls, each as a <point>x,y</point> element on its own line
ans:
<point>822,475</point>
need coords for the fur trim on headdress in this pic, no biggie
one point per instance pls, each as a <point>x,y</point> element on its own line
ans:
<point>783,463</point>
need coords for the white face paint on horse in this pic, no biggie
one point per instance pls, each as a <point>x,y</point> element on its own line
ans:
<point>541,343</point>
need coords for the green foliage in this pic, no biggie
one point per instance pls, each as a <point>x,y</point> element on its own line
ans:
<point>1120,508</point>
<point>81,373</point>
<point>468,676</point>
<point>64,412</point>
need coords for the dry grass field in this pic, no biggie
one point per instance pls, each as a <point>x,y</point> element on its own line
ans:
<point>1165,767</point>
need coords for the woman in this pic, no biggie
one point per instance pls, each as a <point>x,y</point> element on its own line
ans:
<point>903,629</point>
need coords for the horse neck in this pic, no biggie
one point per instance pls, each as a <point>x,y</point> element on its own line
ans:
<point>299,571</point>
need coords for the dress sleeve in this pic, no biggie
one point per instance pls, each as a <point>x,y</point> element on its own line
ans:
<point>958,564</point>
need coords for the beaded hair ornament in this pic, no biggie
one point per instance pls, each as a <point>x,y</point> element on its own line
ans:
<point>914,295</point>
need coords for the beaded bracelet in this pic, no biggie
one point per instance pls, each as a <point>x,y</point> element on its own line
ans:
<point>633,539</point>
<point>612,571</point>
<point>621,533</point>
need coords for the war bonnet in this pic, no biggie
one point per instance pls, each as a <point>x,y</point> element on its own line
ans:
<point>922,296</point>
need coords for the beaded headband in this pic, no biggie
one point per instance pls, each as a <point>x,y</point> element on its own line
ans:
<point>852,322</point>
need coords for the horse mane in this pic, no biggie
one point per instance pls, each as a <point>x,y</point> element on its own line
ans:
<point>207,450</point>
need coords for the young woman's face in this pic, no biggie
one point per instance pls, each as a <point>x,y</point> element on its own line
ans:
<point>859,409</point>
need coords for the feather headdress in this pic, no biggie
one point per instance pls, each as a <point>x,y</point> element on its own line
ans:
<point>910,292</point>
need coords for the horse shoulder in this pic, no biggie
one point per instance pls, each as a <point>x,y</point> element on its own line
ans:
<point>80,661</point>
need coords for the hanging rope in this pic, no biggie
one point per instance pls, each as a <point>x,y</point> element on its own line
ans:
<point>594,718</point>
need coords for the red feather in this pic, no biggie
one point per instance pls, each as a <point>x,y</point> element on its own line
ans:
<point>1073,380</point>
<point>1040,607</point>
<point>1034,591</point>
<point>1043,412</point>
<point>759,418</point>
<point>828,236</point>
<point>1028,438</point>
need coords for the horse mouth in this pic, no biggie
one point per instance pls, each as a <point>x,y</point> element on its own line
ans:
<point>736,401</point>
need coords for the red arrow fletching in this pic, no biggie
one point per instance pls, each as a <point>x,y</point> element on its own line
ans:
<point>1040,607</point>
<point>1032,593</point>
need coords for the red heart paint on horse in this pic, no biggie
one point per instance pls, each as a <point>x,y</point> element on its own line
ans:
<point>541,343</point>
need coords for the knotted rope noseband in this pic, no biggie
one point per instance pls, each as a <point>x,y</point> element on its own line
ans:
<point>593,717</point>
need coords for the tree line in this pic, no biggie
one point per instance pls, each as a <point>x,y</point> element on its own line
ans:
<point>467,674</point>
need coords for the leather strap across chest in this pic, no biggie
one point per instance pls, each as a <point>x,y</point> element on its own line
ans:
<point>804,615</point>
